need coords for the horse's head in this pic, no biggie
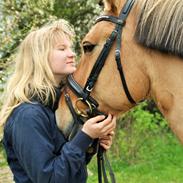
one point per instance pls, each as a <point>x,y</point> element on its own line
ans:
<point>108,90</point>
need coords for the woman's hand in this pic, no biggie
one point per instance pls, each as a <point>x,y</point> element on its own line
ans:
<point>99,127</point>
<point>106,141</point>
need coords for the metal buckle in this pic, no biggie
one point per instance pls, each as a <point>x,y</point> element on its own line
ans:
<point>89,89</point>
<point>81,112</point>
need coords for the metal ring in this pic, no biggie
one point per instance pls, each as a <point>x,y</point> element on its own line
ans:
<point>79,112</point>
<point>89,89</point>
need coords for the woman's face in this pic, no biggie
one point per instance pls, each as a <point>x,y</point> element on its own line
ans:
<point>62,59</point>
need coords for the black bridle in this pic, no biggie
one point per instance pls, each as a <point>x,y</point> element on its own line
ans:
<point>83,94</point>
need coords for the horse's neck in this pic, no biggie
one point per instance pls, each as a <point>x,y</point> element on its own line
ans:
<point>166,74</point>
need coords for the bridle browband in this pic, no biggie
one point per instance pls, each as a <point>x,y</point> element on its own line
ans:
<point>83,94</point>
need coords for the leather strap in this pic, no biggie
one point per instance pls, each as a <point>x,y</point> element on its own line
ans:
<point>115,35</point>
<point>102,160</point>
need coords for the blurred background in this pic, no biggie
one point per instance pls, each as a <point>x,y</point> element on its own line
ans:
<point>144,148</point>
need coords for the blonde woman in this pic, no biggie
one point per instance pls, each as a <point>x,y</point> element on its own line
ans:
<point>37,151</point>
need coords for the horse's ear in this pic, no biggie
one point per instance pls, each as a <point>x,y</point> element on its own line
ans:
<point>110,5</point>
<point>101,3</point>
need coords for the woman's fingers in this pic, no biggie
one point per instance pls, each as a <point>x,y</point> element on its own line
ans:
<point>106,147</point>
<point>111,133</point>
<point>106,143</point>
<point>99,126</point>
<point>96,119</point>
<point>106,140</point>
<point>109,125</point>
<point>108,136</point>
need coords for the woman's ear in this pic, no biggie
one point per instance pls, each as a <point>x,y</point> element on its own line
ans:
<point>110,6</point>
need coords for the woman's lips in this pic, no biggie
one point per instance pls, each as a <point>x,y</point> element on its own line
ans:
<point>71,63</point>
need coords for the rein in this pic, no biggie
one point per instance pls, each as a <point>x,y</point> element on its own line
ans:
<point>83,94</point>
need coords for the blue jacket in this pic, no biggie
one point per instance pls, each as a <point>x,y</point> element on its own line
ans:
<point>37,151</point>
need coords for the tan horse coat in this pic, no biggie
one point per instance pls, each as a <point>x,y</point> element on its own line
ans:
<point>149,74</point>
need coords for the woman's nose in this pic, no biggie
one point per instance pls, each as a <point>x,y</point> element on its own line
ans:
<point>71,53</point>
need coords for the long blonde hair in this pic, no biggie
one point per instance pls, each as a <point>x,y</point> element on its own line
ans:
<point>33,75</point>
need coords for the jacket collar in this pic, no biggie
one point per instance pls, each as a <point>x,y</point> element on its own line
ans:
<point>54,105</point>
<point>51,104</point>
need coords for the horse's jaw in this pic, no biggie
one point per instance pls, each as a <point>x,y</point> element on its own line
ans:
<point>64,120</point>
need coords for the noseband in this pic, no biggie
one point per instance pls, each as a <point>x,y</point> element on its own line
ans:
<point>83,94</point>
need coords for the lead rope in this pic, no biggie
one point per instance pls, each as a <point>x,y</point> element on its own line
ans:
<point>101,153</point>
<point>102,160</point>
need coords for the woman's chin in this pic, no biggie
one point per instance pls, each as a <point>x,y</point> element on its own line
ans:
<point>70,71</point>
<point>73,69</point>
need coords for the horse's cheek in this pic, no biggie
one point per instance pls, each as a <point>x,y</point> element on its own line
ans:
<point>63,118</point>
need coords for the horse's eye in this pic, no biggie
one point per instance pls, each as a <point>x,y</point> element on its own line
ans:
<point>88,47</point>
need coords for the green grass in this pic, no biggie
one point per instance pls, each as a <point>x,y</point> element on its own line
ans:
<point>163,164</point>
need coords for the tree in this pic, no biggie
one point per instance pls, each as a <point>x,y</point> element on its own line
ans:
<point>18,17</point>
<point>80,13</point>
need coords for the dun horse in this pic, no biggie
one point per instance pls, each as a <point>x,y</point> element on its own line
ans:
<point>151,58</point>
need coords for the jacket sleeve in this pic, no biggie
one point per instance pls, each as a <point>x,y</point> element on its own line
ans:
<point>91,151</point>
<point>34,147</point>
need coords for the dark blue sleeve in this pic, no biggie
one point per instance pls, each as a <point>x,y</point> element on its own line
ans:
<point>34,147</point>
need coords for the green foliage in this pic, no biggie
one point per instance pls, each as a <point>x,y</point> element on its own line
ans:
<point>3,161</point>
<point>17,18</point>
<point>134,132</point>
<point>20,17</point>
<point>144,150</point>
<point>80,13</point>
<point>161,163</point>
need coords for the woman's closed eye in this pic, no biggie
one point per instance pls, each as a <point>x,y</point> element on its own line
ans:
<point>61,48</point>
